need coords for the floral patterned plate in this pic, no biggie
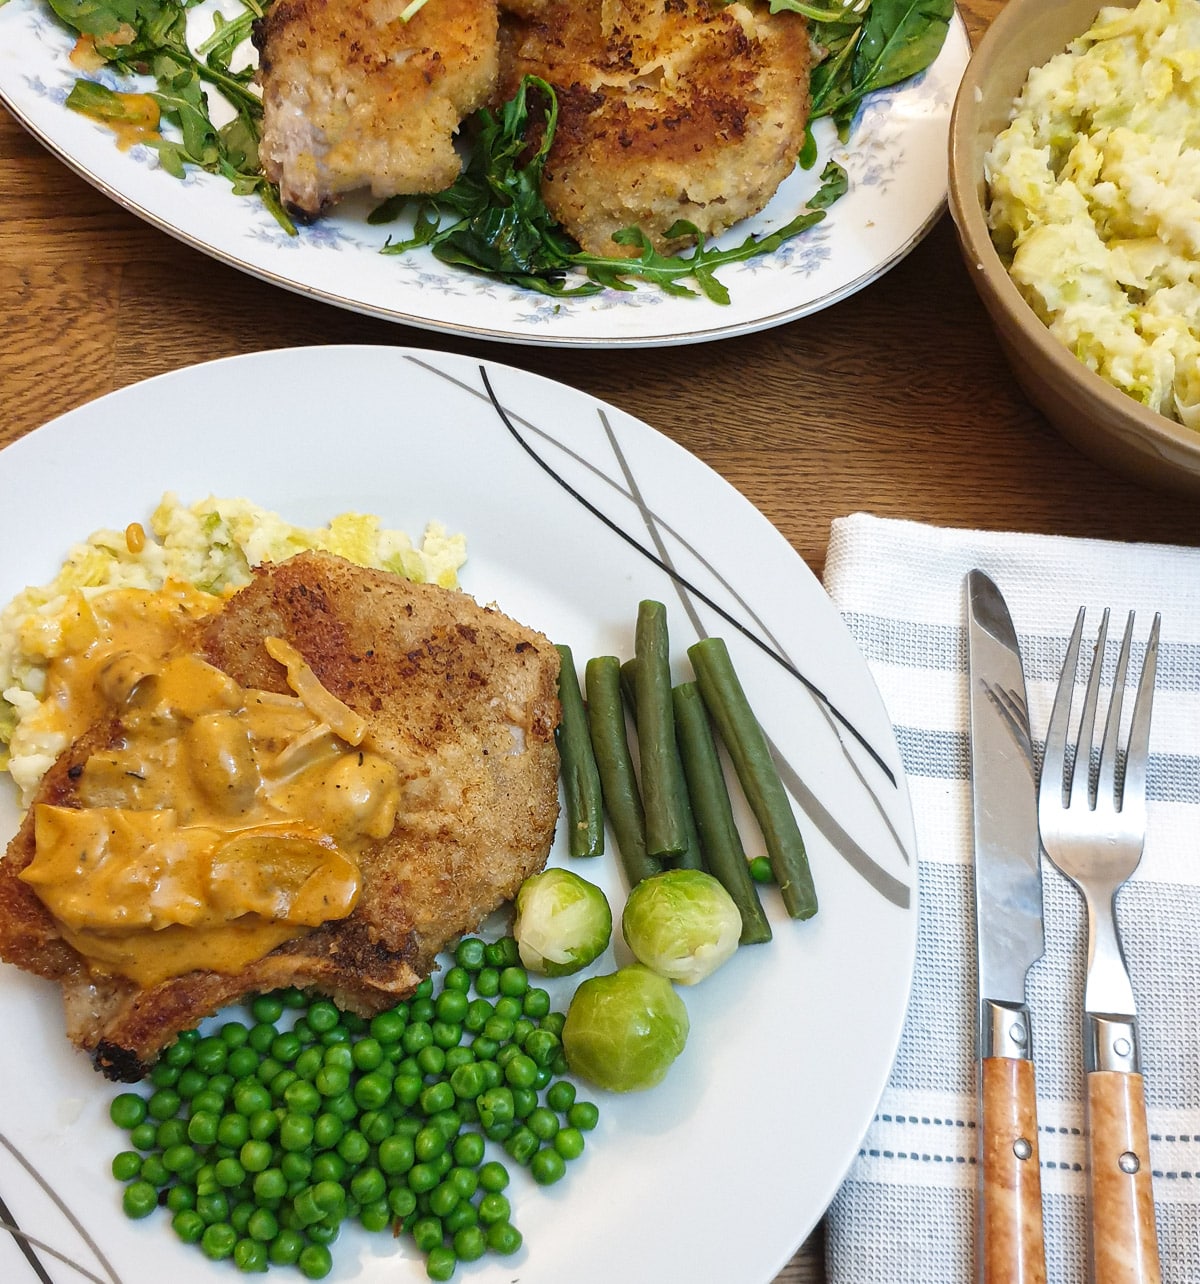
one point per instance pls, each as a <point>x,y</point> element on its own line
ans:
<point>896,161</point>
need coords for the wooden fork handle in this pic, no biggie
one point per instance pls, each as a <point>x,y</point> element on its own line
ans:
<point>1011,1242</point>
<point>1124,1236</point>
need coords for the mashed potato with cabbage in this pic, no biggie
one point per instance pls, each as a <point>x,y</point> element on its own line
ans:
<point>211,545</point>
<point>1095,200</point>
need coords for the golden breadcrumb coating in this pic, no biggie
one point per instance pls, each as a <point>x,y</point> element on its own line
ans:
<point>461,698</point>
<point>668,109</point>
<point>353,97</point>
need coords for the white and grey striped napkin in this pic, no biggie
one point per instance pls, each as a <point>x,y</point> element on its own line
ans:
<point>905,1213</point>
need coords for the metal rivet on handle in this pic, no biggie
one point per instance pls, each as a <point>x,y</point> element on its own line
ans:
<point>1017,1033</point>
<point>1122,1047</point>
<point>1022,1148</point>
<point>1129,1162</point>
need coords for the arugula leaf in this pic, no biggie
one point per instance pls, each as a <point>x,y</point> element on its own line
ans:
<point>149,37</point>
<point>503,228</point>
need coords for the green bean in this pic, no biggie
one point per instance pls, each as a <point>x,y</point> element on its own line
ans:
<point>663,796</point>
<point>610,743</point>
<point>724,855</point>
<point>692,857</point>
<point>756,769</point>
<point>581,779</point>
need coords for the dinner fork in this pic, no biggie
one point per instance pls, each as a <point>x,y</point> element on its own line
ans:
<point>1093,827</point>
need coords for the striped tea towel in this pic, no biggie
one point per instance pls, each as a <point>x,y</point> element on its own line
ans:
<point>905,1214</point>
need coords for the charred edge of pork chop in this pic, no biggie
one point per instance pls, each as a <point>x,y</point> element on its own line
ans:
<point>447,689</point>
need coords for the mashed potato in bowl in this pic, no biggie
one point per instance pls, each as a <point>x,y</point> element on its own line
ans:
<point>1094,201</point>
<point>211,546</point>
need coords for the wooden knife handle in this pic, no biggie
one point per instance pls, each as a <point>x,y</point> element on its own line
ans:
<point>1124,1237</point>
<point>1011,1244</point>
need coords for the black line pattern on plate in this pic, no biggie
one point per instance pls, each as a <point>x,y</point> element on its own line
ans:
<point>30,1246</point>
<point>890,887</point>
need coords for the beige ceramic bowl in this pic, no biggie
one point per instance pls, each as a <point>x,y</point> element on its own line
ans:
<point>1101,421</point>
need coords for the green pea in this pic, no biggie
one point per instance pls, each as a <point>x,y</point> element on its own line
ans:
<point>429,1143</point>
<point>154,1171</point>
<point>388,1026</point>
<point>180,1158</point>
<point>503,1238</point>
<point>376,1215</point>
<point>547,1166</point>
<point>427,1233</point>
<point>190,1082</point>
<point>443,1199</point>
<point>296,1132</point>
<point>463,1214</point>
<point>457,981</point>
<point>286,1247</point>
<point>397,1154</point>
<point>164,1075</point>
<point>267,1008</point>
<point>522,1145</point>
<point>218,1240</point>
<point>470,1244</point>
<point>181,1197</point>
<point>569,1143</point>
<point>354,1147</point>
<point>478,1013</point>
<point>261,1036</point>
<point>543,1122</point>
<point>210,1055</point>
<point>368,1185</point>
<point>407,1088</point>
<point>402,1201</point>
<point>255,1156</point>
<point>315,1261</point>
<point>144,1136</point>
<point>295,1166</point>
<point>213,1208</point>
<point>376,1125</point>
<point>441,1262</point>
<point>536,1003</point>
<point>417,1035</point>
<point>163,1104</point>
<point>329,1166</point>
<point>446,1034</point>
<point>468,1081</point>
<point>493,1176</point>
<point>521,1071</point>
<point>421,1009</point>
<point>423,1177</point>
<point>188,1225</point>
<point>309,1062</point>
<point>250,1256</point>
<point>263,1124</point>
<point>233,1130</point>
<point>502,953</point>
<point>343,1106</point>
<point>139,1199</point>
<point>286,1047</point>
<point>561,1096</point>
<point>269,1070</point>
<point>126,1165</point>
<point>487,982</point>
<point>583,1115</point>
<point>438,1096</point>
<point>242,1062</point>
<point>270,1184</point>
<point>302,1097</point>
<point>229,1173</point>
<point>494,1207</point>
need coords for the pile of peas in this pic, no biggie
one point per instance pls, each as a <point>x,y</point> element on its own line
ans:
<point>262,1138</point>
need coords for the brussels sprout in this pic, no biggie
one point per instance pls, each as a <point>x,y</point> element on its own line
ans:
<point>624,1030</point>
<point>563,922</point>
<point>682,924</point>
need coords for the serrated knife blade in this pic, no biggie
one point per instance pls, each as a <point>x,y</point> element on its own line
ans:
<point>1010,1244</point>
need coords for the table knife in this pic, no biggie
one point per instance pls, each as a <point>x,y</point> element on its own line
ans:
<point>1010,1244</point>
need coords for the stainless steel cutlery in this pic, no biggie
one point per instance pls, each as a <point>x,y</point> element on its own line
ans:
<point>1092,816</point>
<point>1089,809</point>
<point>1008,918</point>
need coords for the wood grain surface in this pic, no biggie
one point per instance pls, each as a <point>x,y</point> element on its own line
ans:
<point>895,401</point>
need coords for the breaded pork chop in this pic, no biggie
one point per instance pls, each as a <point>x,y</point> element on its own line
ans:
<point>668,110</point>
<point>353,97</point>
<point>461,698</point>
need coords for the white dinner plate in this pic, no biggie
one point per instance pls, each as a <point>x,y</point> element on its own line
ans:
<point>573,512</point>
<point>896,162</point>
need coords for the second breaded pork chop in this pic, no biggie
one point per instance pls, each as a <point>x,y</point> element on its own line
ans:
<point>459,698</point>
<point>668,110</point>
<point>355,97</point>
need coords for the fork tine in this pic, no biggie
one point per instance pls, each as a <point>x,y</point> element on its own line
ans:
<point>1054,756</point>
<point>1134,792</point>
<point>1080,777</point>
<point>1106,777</point>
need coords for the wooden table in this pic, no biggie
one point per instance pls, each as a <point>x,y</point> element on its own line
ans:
<point>895,401</point>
